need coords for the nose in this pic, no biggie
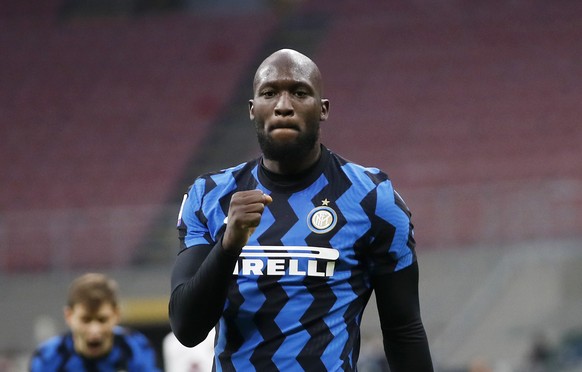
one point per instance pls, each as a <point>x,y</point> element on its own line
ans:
<point>94,329</point>
<point>284,106</point>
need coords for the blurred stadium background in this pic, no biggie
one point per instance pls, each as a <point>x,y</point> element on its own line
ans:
<point>110,108</point>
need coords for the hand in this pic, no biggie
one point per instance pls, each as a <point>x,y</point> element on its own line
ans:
<point>244,215</point>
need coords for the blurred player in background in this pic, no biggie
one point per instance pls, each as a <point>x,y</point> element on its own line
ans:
<point>282,253</point>
<point>95,342</point>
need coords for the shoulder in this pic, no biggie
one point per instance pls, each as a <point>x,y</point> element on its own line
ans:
<point>53,343</point>
<point>355,171</point>
<point>141,355</point>
<point>363,179</point>
<point>374,181</point>
<point>134,339</point>
<point>223,178</point>
<point>51,351</point>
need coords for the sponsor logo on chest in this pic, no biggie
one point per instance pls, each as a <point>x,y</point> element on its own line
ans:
<point>286,260</point>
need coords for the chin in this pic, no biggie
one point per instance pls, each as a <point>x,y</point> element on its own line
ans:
<point>94,353</point>
<point>284,151</point>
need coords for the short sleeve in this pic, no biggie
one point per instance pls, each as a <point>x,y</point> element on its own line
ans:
<point>192,226</point>
<point>393,246</point>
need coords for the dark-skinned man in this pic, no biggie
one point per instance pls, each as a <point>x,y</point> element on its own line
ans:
<point>281,253</point>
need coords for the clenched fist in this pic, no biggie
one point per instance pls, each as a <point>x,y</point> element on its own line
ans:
<point>244,215</point>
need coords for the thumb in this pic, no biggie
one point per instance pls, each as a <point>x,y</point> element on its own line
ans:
<point>267,199</point>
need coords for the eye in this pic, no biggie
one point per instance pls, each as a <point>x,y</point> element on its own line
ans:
<point>302,90</point>
<point>268,93</point>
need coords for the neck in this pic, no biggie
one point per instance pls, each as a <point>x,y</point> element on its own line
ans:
<point>293,166</point>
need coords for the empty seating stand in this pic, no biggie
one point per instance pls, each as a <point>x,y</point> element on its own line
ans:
<point>100,116</point>
<point>474,111</point>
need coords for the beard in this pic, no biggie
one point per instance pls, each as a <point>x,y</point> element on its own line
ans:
<point>288,151</point>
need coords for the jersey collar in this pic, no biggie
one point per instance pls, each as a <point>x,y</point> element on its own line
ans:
<point>296,182</point>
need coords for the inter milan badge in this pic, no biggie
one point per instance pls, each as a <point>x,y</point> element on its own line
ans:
<point>322,219</point>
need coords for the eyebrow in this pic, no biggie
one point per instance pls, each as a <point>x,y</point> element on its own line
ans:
<point>293,85</point>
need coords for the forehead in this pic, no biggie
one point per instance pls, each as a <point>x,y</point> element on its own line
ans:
<point>285,71</point>
<point>81,310</point>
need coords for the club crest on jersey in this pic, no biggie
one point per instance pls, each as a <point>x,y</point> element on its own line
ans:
<point>322,219</point>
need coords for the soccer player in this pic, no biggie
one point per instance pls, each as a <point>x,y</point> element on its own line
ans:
<point>95,341</point>
<point>282,253</point>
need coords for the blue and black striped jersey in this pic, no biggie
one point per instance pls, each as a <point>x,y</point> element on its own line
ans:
<point>131,352</point>
<point>302,282</point>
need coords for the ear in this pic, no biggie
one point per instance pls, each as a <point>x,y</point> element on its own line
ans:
<point>324,110</point>
<point>117,314</point>
<point>251,109</point>
<point>67,314</point>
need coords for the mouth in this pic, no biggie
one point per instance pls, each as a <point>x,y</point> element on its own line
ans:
<point>283,127</point>
<point>94,346</point>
